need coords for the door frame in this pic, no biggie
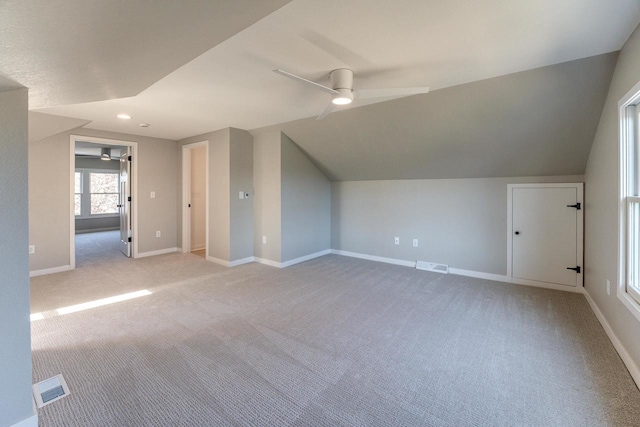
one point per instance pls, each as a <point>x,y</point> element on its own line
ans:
<point>579,233</point>
<point>134,189</point>
<point>186,191</point>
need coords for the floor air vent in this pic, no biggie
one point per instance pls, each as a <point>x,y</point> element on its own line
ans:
<point>48,391</point>
<point>432,266</point>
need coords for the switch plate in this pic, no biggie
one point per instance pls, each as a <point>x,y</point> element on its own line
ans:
<point>158,233</point>
<point>32,249</point>
<point>241,195</point>
<point>153,194</point>
<point>608,287</point>
<point>415,243</point>
<point>264,240</point>
<point>396,240</point>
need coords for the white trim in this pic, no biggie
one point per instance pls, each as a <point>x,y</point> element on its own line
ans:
<point>237,262</point>
<point>579,236</point>
<point>96,230</point>
<point>394,261</point>
<point>480,275</point>
<point>294,261</point>
<point>268,262</point>
<point>622,351</point>
<point>304,258</point>
<point>158,252</point>
<point>461,272</point>
<point>134,189</point>
<point>630,98</point>
<point>186,190</point>
<point>51,270</point>
<point>198,248</point>
<point>218,261</point>
<point>32,421</point>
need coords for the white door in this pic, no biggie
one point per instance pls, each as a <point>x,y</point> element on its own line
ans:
<point>125,202</point>
<point>545,246</point>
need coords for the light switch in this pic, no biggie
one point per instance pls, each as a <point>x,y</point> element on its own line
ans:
<point>153,194</point>
<point>241,195</point>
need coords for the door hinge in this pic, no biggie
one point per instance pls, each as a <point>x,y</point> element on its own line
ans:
<point>189,204</point>
<point>129,199</point>
<point>576,269</point>
<point>129,158</point>
<point>129,240</point>
<point>577,206</point>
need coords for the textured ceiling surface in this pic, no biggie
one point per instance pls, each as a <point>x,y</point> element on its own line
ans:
<point>537,122</point>
<point>70,51</point>
<point>435,43</point>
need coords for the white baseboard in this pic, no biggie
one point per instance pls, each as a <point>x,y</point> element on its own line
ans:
<point>294,261</point>
<point>198,248</point>
<point>32,421</point>
<point>96,230</point>
<point>268,262</point>
<point>158,252</point>
<point>624,354</point>
<point>231,263</point>
<point>304,258</point>
<point>480,275</point>
<point>52,270</point>
<point>394,261</point>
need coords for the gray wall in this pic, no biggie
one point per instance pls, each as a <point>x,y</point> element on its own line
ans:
<point>267,201</point>
<point>49,195</point>
<point>460,222</point>
<point>86,225</point>
<point>230,170</point>
<point>601,210</point>
<point>306,204</point>
<point>15,332</point>
<point>241,163</point>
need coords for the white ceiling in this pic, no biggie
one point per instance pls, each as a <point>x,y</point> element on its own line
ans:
<point>70,51</point>
<point>436,43</point>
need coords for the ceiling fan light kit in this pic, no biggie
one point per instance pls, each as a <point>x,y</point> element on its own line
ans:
<point>342,93</point>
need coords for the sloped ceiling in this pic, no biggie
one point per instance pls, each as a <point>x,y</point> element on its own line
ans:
<point>70,51</point>
<point>537,122</point>
<point>42,126</point>
<point>435,43</point>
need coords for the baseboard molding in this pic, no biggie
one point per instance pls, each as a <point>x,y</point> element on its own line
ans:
<point>158,252</point>
<point>52,270</point>
<point>198,248</point>
<point>480,275</point>
<point>237,262</point>
<point>393,261</point>
<point>32,421</point>
<point>294,261</point>
<point>268,262</point>
<point>304,258</point>
<point>624,354</point>
<point>96,230</point>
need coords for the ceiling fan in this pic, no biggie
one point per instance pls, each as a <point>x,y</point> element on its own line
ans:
<point>342,92</point>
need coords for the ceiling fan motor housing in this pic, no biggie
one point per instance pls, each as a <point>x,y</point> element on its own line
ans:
<point>342,78</point>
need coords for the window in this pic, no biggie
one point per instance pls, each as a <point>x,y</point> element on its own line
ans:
<point>97,193</point>
<point>629,252</point>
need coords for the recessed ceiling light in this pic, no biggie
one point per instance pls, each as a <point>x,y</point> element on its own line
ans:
<point>124,116</point>
<point>144,125</point>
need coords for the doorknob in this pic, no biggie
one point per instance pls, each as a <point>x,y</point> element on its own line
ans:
<point>517,232</point>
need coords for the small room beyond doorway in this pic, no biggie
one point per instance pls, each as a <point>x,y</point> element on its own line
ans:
<point>195,177</point>
<point>98,202</point>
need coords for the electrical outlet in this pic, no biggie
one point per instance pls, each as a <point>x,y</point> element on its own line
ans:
<point>264,240</point>
<point>396,240</point>
<point>608,287</point>
<point>158,233</point>
<point>153,194</point>
<point>415,243</point>
<point>32,249</point>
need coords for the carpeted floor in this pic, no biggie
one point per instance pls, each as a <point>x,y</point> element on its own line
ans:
<point>333,341</point>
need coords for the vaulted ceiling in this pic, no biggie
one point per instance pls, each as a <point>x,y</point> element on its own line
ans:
<point>190,70</point>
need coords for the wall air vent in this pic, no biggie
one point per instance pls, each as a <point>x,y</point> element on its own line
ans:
<point>48,391</point>
<point>432,266</point>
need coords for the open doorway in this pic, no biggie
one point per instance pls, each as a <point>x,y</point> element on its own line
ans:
<point>102,202</point>
<point>195,178</point>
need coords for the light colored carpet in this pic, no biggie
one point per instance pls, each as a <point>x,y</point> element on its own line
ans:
<point>333,341</point>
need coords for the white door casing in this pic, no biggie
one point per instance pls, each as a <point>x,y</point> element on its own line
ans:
<point>186,195</point>
<point>545,235</point>
<point>124,204</point>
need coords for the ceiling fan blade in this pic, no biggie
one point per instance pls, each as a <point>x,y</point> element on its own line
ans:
<point>385,93</point>
<point>327,110</point>
<point>307,82</point>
